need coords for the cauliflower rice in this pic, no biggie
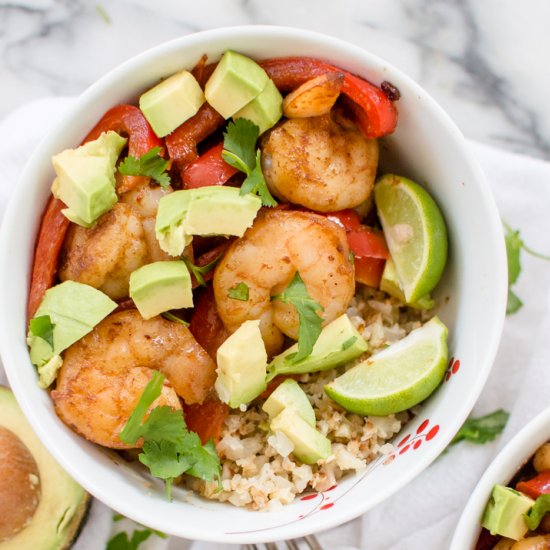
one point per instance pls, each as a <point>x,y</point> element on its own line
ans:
<point>258,469</point>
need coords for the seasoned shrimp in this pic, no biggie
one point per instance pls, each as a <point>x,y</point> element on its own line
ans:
<point>123,240</point>
<point>278,244</point>
<point>323,163</point>
<point>104,374</point>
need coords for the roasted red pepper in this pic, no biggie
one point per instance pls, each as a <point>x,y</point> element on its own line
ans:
<point>208,169</point>
<point>369,271</point>
<point>375,113</point>
<point>124,119</point>
<point>182,142</point>
<point>206,419</point>
<point>539,485</point>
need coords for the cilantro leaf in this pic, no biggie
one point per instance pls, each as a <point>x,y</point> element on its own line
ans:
<point>239,291</point>
<point>199,271</point>
<point>513,248</point>
<point>175,318</point>
<point>121,541</point>
<point>255,183</point>
<point>483,429</point>
<point>42,327</point>
<point>207,465</point>
<point>309,320</point>
<point>132,430</point>
<point>164,459</point>
<point>514,303</point>
<point>164,424</point>
<point>537,512</point>
<point>151,164</point>
<point>239,145</point>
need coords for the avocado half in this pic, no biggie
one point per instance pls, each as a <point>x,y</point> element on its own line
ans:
<point>44,506</point>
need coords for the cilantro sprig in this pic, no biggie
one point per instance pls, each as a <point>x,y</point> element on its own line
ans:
<point>121,541</point>
<point>514,246</point>
<point>310,321</point>
<point>171,317</point>
<point>239,291</point>
<point>200,271</point>
<point>151,165</point>
<point>239,150</point>
<point>482,429</point>
<point>42,327</point>
<point>169,448</point>
<point>537,512</point>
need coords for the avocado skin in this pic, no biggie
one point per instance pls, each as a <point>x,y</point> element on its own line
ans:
<point>63,503</point>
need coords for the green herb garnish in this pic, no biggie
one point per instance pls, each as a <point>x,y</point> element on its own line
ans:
<point>239,291</point>
<point>514,246</point>
<point>42,327</point>
<point>169,448</point>
<point>349,342</point>
<point>309,320</point>
<point>175,318</point>
<point>537,512</point>
<point>483,429</point>
<point>200,271</point>
<point>239,150</point>
<point>151,165</point>
<point>121,541</point>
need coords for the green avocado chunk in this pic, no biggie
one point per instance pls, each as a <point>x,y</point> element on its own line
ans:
<point>390,284</point>
<point>310,445</point>
<point>242,362</point>
<point>504,512</point>
<point>338,343</point>
<point>74,310</point>
<point>161,286</point>
<point>289,395</point>
<point>235,82</point>
<point>171,102</point>
<point>62,502</point>
<point>214,210</point>
<point>265,110</point>
<point>85,179</point>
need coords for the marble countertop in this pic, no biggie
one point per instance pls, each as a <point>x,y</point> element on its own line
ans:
<point>484,62</point>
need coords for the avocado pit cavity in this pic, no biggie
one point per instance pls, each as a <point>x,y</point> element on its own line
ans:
<point>20,487</point>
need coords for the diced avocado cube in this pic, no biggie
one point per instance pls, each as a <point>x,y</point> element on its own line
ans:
<point>74,310</point>
<point>310,445</point>
<point>242,363</point>
<point>289,395</point>
<point>235,82</point>
<point>504,513</point>
<point>265,110</point>
<point>161,286</point>
<point>172,102</point>
<point>204,211</point>
<point>390,284</point>
<point>338,343</point>
<point>85,179</point>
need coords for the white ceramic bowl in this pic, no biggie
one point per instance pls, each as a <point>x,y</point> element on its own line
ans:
<point>427,147</point>
<point>503,468</point>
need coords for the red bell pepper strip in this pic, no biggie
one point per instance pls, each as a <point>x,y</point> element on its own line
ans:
<point>208,169</point>
<point>375,113</point>
<point>52,232</point>
<point>539,485</point>
<point>206,325</point>
<point>206,419</point>
<point>124,119</point>
<point>128,121</point>
<point>182,142</point>
<point>349,219</point>
<point>369,271</point>
<point>366,243</point>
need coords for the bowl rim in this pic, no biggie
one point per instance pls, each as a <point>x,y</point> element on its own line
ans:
<point>509,460</point>
<point>487,354</point>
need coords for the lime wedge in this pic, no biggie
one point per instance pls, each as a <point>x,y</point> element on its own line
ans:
<point>398,377</point>
<point>415,232</point>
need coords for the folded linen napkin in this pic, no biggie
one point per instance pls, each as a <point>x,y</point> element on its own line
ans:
<point>424,513</point>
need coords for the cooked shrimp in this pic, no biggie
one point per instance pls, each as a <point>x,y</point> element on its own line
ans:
<point>278,244</point>
<point>104,374</point>
<point>123,240</point>
<point>323,163</point>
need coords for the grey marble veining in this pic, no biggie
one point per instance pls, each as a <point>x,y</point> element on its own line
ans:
<point>484,62</point>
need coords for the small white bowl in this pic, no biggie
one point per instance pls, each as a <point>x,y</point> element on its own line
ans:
<point>503,468</point>
<point>426,146</point>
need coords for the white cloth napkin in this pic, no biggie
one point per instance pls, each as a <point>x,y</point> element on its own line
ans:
<point>424,513</point>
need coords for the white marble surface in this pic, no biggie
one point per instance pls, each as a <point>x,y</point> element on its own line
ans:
<point>485,62</point>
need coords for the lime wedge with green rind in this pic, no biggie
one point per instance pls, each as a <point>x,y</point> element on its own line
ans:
<point>398,377</point>
<point>415,231</point>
